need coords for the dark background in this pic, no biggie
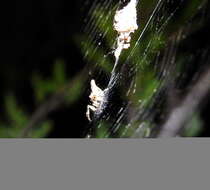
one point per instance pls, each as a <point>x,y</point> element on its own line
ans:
<point>33,35</point>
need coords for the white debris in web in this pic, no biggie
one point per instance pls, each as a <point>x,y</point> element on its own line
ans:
<point>125,23</point>
<point>96,98</point>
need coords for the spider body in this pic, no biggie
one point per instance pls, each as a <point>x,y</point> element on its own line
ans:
<point>96,98</point>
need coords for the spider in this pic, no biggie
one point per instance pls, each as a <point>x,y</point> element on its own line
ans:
<point>96,98</point>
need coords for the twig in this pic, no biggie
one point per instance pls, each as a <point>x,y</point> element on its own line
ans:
<point>55,102</point>
<point>180,115</point>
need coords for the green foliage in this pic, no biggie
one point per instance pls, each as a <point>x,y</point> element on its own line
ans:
<point>146,86</point>
<point>15,113</point>
<point>18,118</point>
<point>142,56</point>
<point>42,130</point>
<point>142,130</point>
<point>105,25</point>
<point>102,130</point>
<point>193,127</point>
<point>75,91</point>
<point>93,55</point>
<point>45,87</point>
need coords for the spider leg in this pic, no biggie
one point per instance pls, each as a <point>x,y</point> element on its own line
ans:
<point>92,108</point>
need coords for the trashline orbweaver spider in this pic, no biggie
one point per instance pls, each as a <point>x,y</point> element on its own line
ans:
<point>96,98</point>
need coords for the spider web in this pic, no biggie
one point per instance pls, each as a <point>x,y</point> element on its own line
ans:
<point>139,88</point>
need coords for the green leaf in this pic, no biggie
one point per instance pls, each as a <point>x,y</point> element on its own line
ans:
<point>41,131</point>
<point>193,127</point>
<point>59,75</point>
<point>16,115</point>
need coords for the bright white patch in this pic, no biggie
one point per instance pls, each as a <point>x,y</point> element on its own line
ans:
<point>95,90</point>
<point>96,98</point>
<point>125,23</point>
